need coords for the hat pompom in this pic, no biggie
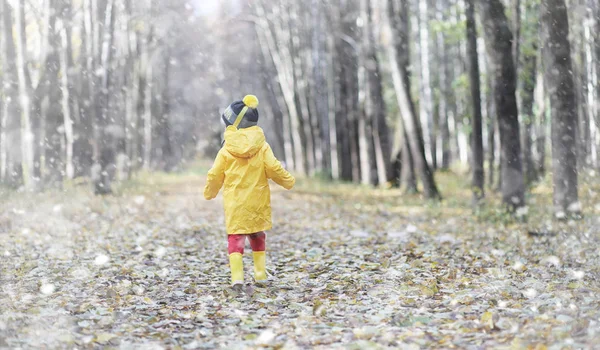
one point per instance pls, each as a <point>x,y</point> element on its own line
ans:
<point>251,101</point>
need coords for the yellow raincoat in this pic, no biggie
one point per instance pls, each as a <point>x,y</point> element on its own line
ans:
<point>244,165</point>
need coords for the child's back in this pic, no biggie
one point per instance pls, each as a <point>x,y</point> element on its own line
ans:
<point>243,166</point>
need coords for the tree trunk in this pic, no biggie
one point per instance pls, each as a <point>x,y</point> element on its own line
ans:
<point>282,59</point>
<point>488,111</point>
<point>400,58</point>
<point>381,133</point>
<point>408,176</point>
<point>516,47</point>
<point>436,81</point>
<point>53,165</point>
<point>69,105</point>
<point>3,97</point>
<point>27,137</point>
<point>149,73</point>
<point>426,100</point>
<point>345,58</point>
<point>499,39</point>
<point>579,11</point>
<point>321,95</point>
<point>92,110</point>
<point>351,37</point>
<point>528,83</point>
<point>447,92</point>
<point>332,88</point>
<point>132,94</point>
<point>455,71</point>
<point>597,60</point>
<point>277,102</point>
<point>560,82</point>
<point>106,132</point>
<point>367,100</point>
<point>460,103</point>
<point>477,133</point>
<point>289,34</point>
<point>10,156</point>
<point>540,141</point>
<point>403,165</point>
<point>84,147</point>
<point>282,147</point>
<point>165,127</point>
<point>442,103</point>
<point>491,126</point>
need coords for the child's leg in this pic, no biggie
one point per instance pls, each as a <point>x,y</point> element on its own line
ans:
<point>236,250</point>
<point>258,241</point>
<point>258,244</point>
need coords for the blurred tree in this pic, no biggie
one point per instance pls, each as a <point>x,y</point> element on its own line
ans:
<point>527,83</point>
<point>104,88</point>
<point>477,133</point>
<point>106,134</point>
<point>27,136</point>
<point>10,156</point>
<point>560,81</point>
<point>52,116</point>
<point>499,41</point>
<point>426,93</point>
<point>398,16</point>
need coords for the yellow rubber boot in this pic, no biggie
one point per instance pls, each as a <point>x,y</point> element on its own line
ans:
<point>260,270</point>
<point>237,268</point>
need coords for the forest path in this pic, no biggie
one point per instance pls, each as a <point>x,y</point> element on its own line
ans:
<point>353,268</point>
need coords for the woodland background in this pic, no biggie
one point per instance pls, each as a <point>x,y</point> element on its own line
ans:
<point>372,92</point>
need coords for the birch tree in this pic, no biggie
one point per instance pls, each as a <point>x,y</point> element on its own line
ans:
<point>10,128</point>
<point>27,137</point>
<point>398,12</point>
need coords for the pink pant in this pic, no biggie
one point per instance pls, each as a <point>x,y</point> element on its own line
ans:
<point>237,242</point>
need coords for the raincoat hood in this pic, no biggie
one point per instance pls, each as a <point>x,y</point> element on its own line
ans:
<point>244,143</point>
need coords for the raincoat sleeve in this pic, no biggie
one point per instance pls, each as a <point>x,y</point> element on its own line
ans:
<point>215,178</point>
<point>276,172</point>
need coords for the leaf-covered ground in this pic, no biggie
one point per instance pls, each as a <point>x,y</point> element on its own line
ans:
<point>352,268</point>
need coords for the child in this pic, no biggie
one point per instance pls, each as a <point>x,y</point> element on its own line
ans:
<point>244,165</point>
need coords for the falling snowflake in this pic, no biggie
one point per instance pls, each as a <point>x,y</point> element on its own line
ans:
<point>101,259</point>
<point>139,200</point>
<point>578,275</point>
<point>411,229</point>
<point>551,260</point>
<point>164,272</point>
<point>138,290</point>
<point>18,211</point>
<point>522,211</point>
<point>530,293</point>
<point>574,207</point>
<point>518,266</point>
<point>47,289</point>
<point>160,251</point>
<point>266,337</point>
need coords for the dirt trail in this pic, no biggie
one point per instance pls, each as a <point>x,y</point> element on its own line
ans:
<point>148,269</point>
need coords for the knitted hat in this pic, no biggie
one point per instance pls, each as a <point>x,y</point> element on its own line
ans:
<point>242,114</point>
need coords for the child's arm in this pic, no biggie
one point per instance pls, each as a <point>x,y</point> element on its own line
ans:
<point>216,176</point>
<point>276,172</point>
